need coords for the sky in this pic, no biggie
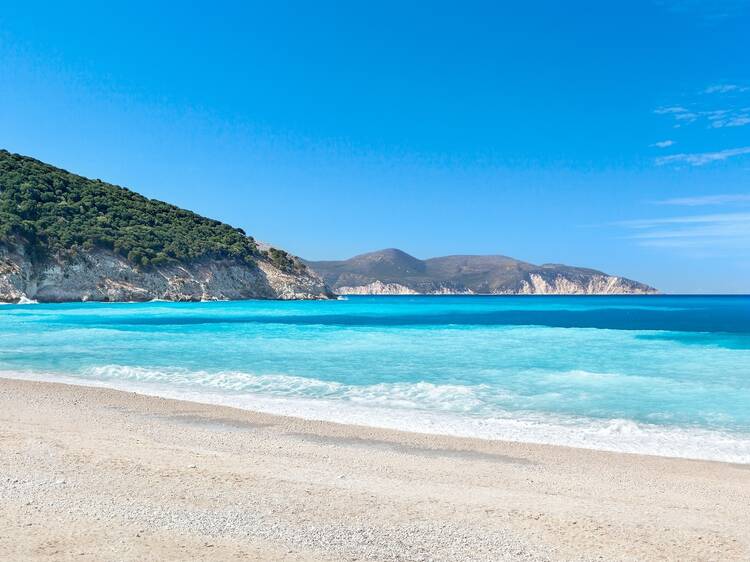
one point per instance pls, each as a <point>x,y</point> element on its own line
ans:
<point>607,135</point>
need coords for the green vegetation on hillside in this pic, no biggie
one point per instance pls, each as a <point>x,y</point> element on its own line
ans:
<point>61,214</point>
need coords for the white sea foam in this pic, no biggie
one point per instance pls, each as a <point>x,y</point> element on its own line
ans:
<point>22,300</point>
<point>419,407</point>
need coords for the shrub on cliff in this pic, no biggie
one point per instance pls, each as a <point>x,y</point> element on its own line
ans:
<point>59,214</point>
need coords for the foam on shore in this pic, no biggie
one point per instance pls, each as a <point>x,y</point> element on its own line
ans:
<point>395,407</point>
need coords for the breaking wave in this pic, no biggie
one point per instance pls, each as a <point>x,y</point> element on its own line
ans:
<point>450,409</point>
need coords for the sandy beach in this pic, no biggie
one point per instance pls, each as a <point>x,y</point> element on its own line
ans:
<point>97,474</point>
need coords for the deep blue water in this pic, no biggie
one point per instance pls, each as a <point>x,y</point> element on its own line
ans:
<point>655,374</point>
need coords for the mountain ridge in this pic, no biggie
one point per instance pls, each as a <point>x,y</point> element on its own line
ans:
<point>64,237</point>
<point>393,271</point>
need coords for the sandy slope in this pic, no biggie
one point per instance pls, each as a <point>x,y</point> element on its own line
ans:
<point>96,474</point>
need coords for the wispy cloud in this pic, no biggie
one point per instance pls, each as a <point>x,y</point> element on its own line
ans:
<point>713,231</point>
<point>678,112</point>
<point>734,113</point>
<point>702,158</point>
<point>737,118</point>
<point>689,219</point>
<point>670,109</point>
<point>716,118</point>
<point>710,11</point>
<point>705,200</point>
<point>724,89</point>
<point>663,144</point>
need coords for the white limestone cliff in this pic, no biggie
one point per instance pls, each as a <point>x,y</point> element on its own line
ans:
<point>100,275</point>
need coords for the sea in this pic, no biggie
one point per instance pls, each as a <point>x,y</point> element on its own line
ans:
<point>657,374</point>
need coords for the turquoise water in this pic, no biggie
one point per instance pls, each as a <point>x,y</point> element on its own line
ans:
<point>653,374</point>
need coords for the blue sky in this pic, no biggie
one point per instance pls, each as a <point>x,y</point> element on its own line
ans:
<point>613,136</point>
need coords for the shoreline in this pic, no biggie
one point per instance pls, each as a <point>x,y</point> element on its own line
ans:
<point>90,468</point>
<point>619,436</point>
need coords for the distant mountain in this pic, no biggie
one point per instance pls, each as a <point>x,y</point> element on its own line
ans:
<point>393,271</point>
<point>64,237</point>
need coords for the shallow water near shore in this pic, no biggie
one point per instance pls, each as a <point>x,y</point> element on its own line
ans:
<point>652,374</point>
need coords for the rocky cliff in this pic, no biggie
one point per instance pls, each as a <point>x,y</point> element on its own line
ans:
<point>100,275</point>
<point>67,238</point>
<point>393,272</point>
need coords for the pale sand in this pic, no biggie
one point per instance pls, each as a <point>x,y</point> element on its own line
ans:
<point>97,474</point>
